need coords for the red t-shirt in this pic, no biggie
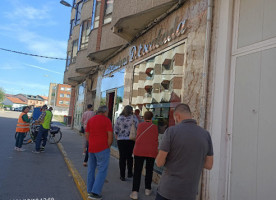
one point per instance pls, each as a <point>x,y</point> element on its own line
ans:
<point>97,127</point>
<point>146,145</point>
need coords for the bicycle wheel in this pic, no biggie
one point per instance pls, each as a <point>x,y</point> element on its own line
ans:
<point>27,139</point>
<point>55,137</point>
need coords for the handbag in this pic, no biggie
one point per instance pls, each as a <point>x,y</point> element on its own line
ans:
<point>133,131</point>
<point>143,132</point>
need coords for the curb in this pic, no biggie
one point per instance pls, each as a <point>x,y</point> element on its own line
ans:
<point>76,176</point>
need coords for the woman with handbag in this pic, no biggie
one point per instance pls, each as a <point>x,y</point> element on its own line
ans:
<point>125,133</point>
<point>146,148</point>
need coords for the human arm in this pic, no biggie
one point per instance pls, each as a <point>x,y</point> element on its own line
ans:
<point>41,118</point>
<point>208,164</point>
<point>110,138</point>
<point>161,158</point>
<point>25,118</point>
<point>164,149</point>
<point>82,119</point>
<point>209,160</point>
<point>117,127</point>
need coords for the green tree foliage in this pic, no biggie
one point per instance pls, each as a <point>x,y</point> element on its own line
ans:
<point>2,94</point>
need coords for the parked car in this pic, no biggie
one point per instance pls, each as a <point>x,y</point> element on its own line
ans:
<point>18,109</point>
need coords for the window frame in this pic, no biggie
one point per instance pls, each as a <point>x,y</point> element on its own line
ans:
<point>94,10</point>
<point>108,15</point>
<point>73,58</point>
<point>78,9</point>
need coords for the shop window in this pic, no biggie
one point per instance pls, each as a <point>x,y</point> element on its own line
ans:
<point>108,11</point>
<point>103,99</point>
<point>84,33</point>
<point>74,51</point>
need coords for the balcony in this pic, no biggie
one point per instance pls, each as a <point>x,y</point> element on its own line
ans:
<point>129,27</point>
<point>103,55</point>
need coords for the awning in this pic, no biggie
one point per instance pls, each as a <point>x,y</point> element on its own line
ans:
<point>87,70</point>
<point>103,55</point>
<point>128,27</point>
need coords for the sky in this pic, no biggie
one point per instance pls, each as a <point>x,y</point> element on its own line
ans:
<point>37,27</point>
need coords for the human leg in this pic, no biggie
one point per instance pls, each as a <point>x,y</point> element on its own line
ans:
<point>21,137</point>
<point>129,151</point>
<point>38,138</point>
<point>149,172</point>
<point>17,140</point>
<point>138,167</point>
<point>44,137</point>
<point>91,172</point>
<point>102,159</point>
<point>122,157</point>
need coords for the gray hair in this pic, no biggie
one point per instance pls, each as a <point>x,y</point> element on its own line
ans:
<point>102,109</point>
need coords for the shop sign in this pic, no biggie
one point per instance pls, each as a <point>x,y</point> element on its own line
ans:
<point>141,50</point>
<point>161,39</point>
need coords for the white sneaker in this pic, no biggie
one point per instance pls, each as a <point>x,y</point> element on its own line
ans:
<point>21,149</point>
<point>147,192</point>
<point>16,148</point>
<point>134,195</point>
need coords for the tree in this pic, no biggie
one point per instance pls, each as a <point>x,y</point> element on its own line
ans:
<point>2,94</point>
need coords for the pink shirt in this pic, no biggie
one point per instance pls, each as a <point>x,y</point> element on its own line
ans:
<point>85,117</point>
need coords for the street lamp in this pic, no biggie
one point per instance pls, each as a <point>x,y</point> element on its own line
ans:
<point>65,3</point>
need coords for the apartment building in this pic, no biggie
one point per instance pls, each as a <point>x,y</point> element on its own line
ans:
<point>59,98</point>
<point>217,56</point>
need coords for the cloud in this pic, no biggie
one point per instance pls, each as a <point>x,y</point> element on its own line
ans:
<point>9,66</point>
<point>42,68</point>
<point>26,85</point>
<point>22,19</point>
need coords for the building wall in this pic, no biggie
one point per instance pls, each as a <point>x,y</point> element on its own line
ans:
<point>65,92</point>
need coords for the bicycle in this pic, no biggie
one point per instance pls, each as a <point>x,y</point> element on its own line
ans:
<point>54,135</point>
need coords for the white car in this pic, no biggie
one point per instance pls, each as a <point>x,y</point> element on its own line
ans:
<point>18,109</point>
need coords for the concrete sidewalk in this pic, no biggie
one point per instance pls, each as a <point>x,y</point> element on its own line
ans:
<point>71,146</point>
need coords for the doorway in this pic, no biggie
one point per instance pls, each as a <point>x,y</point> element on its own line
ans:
<point>110,103</point>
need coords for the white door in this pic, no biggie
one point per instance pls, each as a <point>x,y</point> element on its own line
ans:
<point>253,166</point>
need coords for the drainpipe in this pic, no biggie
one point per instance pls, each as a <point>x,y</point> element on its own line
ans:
<point>204,85</point>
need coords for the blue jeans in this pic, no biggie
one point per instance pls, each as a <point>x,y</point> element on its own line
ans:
<point>42,135</point>
<point>19,139</point>
<point>100,161</point>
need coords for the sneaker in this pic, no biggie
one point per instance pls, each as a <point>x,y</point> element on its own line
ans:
<point>123,178</point>
<point>95,196</point>
<point>36,151</point>
<point>21,149</point>
<point>134,195</point>
<point>42,149</point>
<point>16,148</point>
<point>147,192</point>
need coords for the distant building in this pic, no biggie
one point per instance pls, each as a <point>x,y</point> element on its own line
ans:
<point>59,98</point>
<point>14,102</point>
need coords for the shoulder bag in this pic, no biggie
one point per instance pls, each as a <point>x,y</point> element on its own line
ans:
<point>133,131</point>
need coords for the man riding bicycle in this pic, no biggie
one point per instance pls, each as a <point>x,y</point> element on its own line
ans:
<point>45,123</point>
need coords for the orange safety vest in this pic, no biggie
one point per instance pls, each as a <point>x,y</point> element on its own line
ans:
<point>22,126</point>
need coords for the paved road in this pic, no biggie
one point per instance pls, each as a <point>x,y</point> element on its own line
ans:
<point>25,175</point>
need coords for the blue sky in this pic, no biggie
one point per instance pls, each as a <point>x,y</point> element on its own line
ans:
<point>37,27</point>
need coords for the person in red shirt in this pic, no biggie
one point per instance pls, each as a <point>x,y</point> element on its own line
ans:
<point>146,148</point>
<point>99,135</point>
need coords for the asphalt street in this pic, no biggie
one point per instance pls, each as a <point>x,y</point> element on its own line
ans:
<point>25,175</point>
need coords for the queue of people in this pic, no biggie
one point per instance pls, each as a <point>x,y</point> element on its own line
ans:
<point>184,151</point>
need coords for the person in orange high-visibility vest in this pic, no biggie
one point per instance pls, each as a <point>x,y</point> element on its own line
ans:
<point>22,127</point>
